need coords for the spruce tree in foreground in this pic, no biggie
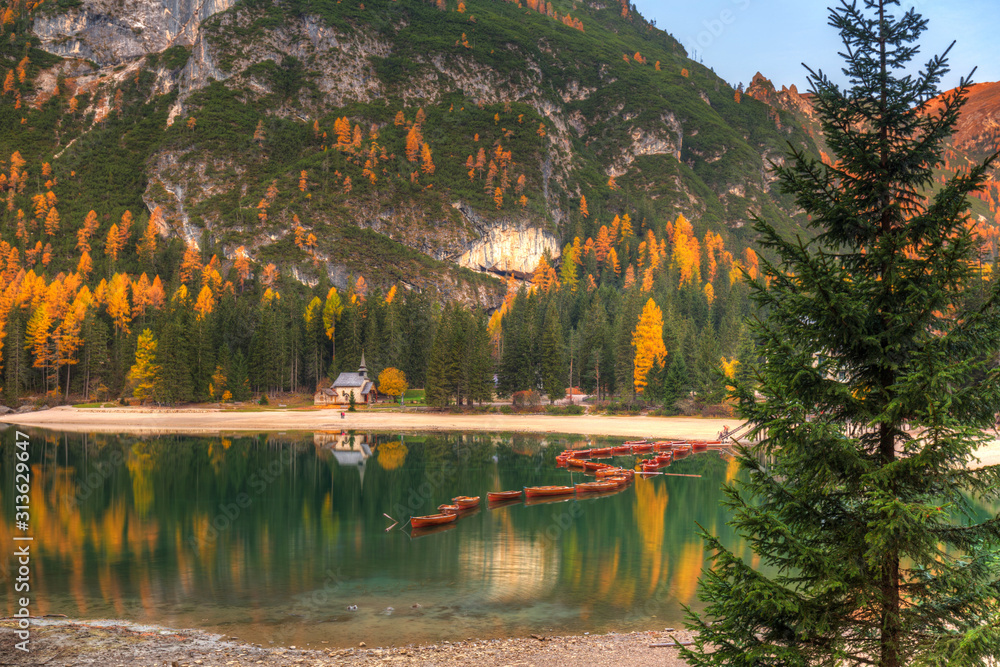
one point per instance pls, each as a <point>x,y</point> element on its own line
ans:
<point>879,375</point>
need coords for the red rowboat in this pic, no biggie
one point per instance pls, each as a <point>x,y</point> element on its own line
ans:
<point>601,452</point>
<point>662,446</point>
<point>493,496</point>
<point>595,487</point>
<point>682,452</point>
<point>608,472</point>
<point>664,458</point>
<point>432,520</point>
<point>644,447</point>
<point>650,466</point>
<point>541,491</point>
<point>446,508</point>
<point>576,463</point>
<point>618,480</point>
<point>634,442</point>
<point>581,453</point>
<point>699,446</point>
<point>594,465</point>
<point>466,502</point>
<point>621,449</point>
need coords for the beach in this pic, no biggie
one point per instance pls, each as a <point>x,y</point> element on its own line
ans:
<point>203,421</point>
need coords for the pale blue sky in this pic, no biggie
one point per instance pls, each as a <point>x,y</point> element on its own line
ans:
<point>739,37</point>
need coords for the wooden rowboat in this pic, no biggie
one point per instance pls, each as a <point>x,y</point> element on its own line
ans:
<point>601,452</point>
<point>432,520</point>
<point>494,496</point>
<point>595,487</point>
<point>663,446</point>
<point>699,446</point>
<point>635,442</point>
<point>621,449</point>
<point>644,447</point>
<point>543,491</point>
<point>576,463</point>
<point>466,502</point>
<point>608,472</point>
<point>682,452</point>
<point>446,508</point>
<point>594,465</point>
<point>430,530</point>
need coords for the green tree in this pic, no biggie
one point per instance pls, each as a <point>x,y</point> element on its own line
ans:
<point>553,373</point>
<point>676,383</point>
<point>880,378</point>
<point>436,391</point>
<point>145,372</point>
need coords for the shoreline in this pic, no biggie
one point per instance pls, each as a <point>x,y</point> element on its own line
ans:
<point>209,421</point>
<point>118,642</point>
<point>200,421</point>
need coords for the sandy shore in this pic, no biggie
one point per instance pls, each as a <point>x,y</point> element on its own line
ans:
<point>201,421</point>
<point>119,643</point>
<point>151,421</point>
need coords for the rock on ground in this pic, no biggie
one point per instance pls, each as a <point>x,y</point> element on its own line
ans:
<point>113,643</point>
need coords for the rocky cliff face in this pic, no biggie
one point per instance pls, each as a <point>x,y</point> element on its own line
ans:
<point>110,32</point>
<point>510,248</point>
<point>568,108</point>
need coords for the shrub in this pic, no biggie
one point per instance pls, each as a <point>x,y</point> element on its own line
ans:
<point>564,410</point>
<point>526,399</point>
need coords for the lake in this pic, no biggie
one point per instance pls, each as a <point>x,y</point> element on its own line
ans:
<point>271,538</point>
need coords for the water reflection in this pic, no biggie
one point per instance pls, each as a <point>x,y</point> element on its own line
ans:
<point>272,537</point>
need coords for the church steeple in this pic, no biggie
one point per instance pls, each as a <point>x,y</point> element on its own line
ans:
<point>363,370</point>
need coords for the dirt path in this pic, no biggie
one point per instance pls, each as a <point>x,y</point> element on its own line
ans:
<point>113,643</point>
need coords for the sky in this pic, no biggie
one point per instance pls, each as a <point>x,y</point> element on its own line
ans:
<point>738,38</point>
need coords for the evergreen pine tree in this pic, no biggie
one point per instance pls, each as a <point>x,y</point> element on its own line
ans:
<point>878,383</point>
<point>676,383</point>
<point>436,388</point>
<point>175,352</point>
<point>553,372</point>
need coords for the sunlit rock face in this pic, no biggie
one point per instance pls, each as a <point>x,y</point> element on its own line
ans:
<point>110,32</point>
<point>510,247</point>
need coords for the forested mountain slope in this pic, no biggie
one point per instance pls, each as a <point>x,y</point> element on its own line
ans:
<point>206,110</point>
<point>271,187</point>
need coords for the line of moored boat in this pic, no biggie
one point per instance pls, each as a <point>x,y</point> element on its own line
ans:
<point>609,478</point>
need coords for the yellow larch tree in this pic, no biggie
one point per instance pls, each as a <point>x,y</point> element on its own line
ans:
<point>392,382</point>
<point>112,244</point>
<point>52,222</point>
<point>414,142</point>
<point>629,278</point>
<point>204,304</point>
<point>427,163</point>
<point>647,339</point>
<point>146,247</point>
<point>144,376</point>
<point>84,233</point>
<point>190,263</point>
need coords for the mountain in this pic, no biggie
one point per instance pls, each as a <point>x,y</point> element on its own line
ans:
<point>357,123</point>
<point>976,136</point>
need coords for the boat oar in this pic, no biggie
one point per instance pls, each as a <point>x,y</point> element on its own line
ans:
<point>670,474</point>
